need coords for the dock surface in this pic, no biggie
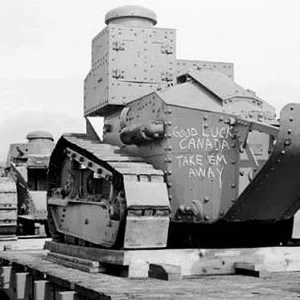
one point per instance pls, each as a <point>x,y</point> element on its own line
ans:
<point>284,285</point>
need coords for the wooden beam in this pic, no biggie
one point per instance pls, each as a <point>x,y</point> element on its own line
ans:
<point>68,295</point>
<point>21,285</point>
<point>248,269</point>
<point>40,291</point>
<point>75,262</point>
<point>5,277</point>
<point>165,271</point>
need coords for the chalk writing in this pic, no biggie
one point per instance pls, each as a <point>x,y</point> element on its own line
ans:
<point>208,146</point>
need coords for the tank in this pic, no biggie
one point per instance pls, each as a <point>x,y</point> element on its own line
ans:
<point>188,157</point>
<point>27,164</point>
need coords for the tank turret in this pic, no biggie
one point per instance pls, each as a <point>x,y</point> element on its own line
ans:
<point>131,15</point>
<point>40,143</point>
<point>28,164</point>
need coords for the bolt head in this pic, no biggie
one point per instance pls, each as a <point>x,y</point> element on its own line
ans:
<point>206,218</point>
<point>206,199</point>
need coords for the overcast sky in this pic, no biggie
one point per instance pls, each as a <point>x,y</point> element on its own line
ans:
<point>46,44</point>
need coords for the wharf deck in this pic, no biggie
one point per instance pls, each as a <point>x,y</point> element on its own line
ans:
<point>101,286</point>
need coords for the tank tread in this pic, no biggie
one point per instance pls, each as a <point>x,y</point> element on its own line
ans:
<point>147,205</point>
<point>8,207</point>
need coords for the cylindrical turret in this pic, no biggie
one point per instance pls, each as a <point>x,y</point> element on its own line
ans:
<point>40,143</point>
<point>131,15</point>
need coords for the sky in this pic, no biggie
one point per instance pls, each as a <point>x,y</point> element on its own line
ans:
<point>45,53</point>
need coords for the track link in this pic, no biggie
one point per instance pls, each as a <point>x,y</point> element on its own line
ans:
<point>103,196</point>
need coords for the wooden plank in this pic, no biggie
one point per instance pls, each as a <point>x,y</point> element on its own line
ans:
<point>193,262</point>
<point>248,269</point>
<point>24,244</point>
<point>75,263</point>
<point>85,262</point>
<point>101,286</point>
<point>96,254</point>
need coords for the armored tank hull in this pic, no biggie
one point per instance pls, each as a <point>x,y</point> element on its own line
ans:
<point>27,164</point>
<point>188,157</point>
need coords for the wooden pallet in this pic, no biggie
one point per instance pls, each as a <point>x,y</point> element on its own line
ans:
<point>177,263</point>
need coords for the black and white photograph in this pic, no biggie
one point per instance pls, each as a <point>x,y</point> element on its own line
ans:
<point>149,150</point>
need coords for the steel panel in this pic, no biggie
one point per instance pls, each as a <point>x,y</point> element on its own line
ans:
<point>274,193</point>
<point>203,165</point>
<point>184,65</point>
<point>221,85</point>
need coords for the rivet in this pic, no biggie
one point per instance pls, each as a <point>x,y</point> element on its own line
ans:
<point>205,118</point>
<point>233,162</point>
<point>179,217</point>
<point>170,197</point>
<point>221,213</point>
<point>206,199</point>
<point>232,199</point>
<point>205,125</point>
<point>283,152</point>
<point>287,143</point>
<point>291,119</point>
<point>233,185</point>
<point>221,119</point>
<point>188,208</point>
<point>233,145</point>
<point>278,160</point>
<point>206,218</point>
<point>169,123</point>
<point>181,207</point>
<point>289,131</point>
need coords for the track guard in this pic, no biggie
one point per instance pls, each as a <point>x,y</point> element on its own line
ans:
<point>274,193</point>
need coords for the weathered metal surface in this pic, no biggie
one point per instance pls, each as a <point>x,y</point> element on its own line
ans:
<point>183,66</point>
<point>222,86</point>
<point>143,16</point>
<point>274,192</point>
<point>128,55</point>
<point>28,164</point>
<point>210,141</point>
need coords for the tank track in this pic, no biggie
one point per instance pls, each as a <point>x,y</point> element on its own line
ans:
<point>8,207</point>
<point>138,203</point>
